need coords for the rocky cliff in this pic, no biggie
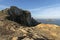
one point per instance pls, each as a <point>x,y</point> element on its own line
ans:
<point>17,24</point>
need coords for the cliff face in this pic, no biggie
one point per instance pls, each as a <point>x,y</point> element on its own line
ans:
<point>20,16</point>
<point>16,26</point>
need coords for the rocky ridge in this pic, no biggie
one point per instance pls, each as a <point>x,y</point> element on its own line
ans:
<point>22,26</point>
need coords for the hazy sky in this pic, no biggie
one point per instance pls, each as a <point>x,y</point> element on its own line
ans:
<point>38,8</point>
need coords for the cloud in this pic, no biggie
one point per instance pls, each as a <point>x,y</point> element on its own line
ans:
<point>46,12</point>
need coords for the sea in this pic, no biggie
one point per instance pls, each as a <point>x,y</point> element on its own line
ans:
<point>49,21</point>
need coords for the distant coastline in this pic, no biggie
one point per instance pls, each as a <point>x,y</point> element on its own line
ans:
<point>49,21</point>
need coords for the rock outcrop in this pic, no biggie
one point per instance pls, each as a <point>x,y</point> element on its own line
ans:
<point>21,16</point>
<point>11,27</point>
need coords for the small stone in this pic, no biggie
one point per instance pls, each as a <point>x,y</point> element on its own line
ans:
<point>27,39</point>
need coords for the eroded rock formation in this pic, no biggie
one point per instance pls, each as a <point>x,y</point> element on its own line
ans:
<point>21,16</point>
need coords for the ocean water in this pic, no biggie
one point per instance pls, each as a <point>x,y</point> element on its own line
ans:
<point>49,21</point>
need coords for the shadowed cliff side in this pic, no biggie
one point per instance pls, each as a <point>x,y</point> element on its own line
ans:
<point>21,16</point>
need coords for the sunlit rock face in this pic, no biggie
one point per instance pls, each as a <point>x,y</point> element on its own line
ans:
<point>21,16</point>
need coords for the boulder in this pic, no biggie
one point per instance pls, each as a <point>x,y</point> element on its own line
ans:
<point>21,16</point>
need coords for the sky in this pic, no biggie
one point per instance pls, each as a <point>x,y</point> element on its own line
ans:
<point>45,9</point>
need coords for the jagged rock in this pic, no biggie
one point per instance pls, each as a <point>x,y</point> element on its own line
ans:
<point>27,39</point>
<point>34,22</point>
<point>26,18</point>
<point>14,11</point>
<point>21,16</point>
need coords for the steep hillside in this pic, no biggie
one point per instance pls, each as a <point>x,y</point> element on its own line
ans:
<point>17,24</point>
